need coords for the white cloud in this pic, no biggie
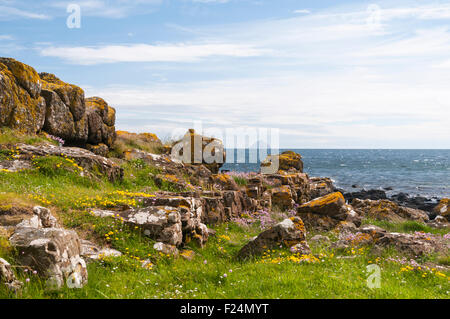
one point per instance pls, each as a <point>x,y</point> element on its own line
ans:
<point>302,11</point>
<point>8,13</point>
<point>149,53</point>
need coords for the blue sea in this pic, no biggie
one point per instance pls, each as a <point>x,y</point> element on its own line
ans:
<point>416,172</point>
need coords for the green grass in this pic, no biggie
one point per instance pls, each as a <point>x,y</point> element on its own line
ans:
<point>240,181</point>
<point>333,277</point>
<point>405,227</point>
<point>9,136</point>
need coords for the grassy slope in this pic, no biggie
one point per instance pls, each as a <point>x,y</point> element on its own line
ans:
<point>273,276</point>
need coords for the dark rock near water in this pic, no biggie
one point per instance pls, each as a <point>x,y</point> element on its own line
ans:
<point>373,194</point>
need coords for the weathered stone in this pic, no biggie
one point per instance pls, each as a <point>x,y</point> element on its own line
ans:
<point>71,95</point>
<point>223,182</point>
<point>387,210</point>
<point>329,205</point>
<point>21,107</point>
<point>287,161</point>
<point>301,248</point>
<point>100,149</point>
<point>282,197</point>
<point>87,160</point>
<point>90,251</point>
<point>98,117</point>
<point>320,187</point>
<point>289,233</point>
<point>161,223</point>
<point>54,253</point>
<point>8,278</point>
<point>58,119</point>
<point>443,208</point>
<point>196,149</point>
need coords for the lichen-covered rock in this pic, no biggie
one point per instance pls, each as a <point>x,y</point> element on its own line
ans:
<point>282,197</point>
<point>71,95</point>
<point>54,253</point>
<point>26,76</point>
<point>196,149</point>
<point>320,187</point>
<point>387,210</point>
<point>100,149</point>
<point>8,278</point>
<point>328,205</point>
<point>161,223</point>
<point>443,208</point>
<point>328,212</point>
<point>289,232</point>
<point>21,106</point>
<point>223,182</point>
<point>286,161</point>
<point>99,116</point>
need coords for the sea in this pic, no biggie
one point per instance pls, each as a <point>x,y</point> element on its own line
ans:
<point>415,172</point>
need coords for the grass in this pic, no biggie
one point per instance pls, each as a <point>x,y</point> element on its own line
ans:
<point>263,277</point>
<point>405,227</point>
<point>9,137</point>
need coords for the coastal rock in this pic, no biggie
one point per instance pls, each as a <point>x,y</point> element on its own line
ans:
<point>54,253</point>
<point>289,232</point>
<point>166,249</point>
<point>21,106</point>
<point>320,186</point>
<point>82,157</point>
<point>387,210</point>
<point>71,95</point>
<point>286,161</point>
<point>282,197</point>
<point>328,212</point>
<point>196,149</point>
<point>416,202</point>
<point>161,223</point>
<point>443,208</point>
<point>58,119</point>
<point>99,115</point>
<point>223,182</point>
<point>8,278</point>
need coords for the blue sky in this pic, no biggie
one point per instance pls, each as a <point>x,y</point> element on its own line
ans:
<point>327,74</point>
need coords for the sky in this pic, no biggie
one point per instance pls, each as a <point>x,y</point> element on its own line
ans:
<point>325,74</point>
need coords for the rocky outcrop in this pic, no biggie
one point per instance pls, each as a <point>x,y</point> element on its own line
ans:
<point>387,210</point>
<point>31,102</point>
<point>21,106</point>
<point>82,157</point>
<point>289,233</point>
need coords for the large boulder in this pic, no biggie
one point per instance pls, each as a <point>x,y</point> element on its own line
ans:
<point>197,149</point>
<point>289,232</point>
<point>21,106</point>
<point>328,212</point>
<point>54,253</point>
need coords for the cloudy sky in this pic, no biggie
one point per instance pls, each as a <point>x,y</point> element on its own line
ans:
<point>327,74</point>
